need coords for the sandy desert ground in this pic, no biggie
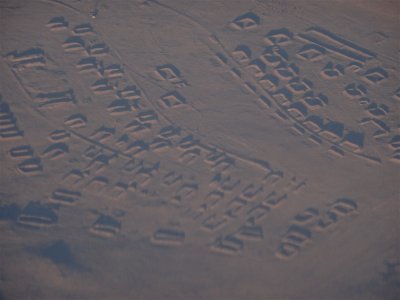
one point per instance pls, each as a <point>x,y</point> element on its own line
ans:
<point>188,149</point>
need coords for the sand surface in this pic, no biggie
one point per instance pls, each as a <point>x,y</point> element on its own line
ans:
<point>187,149</point>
